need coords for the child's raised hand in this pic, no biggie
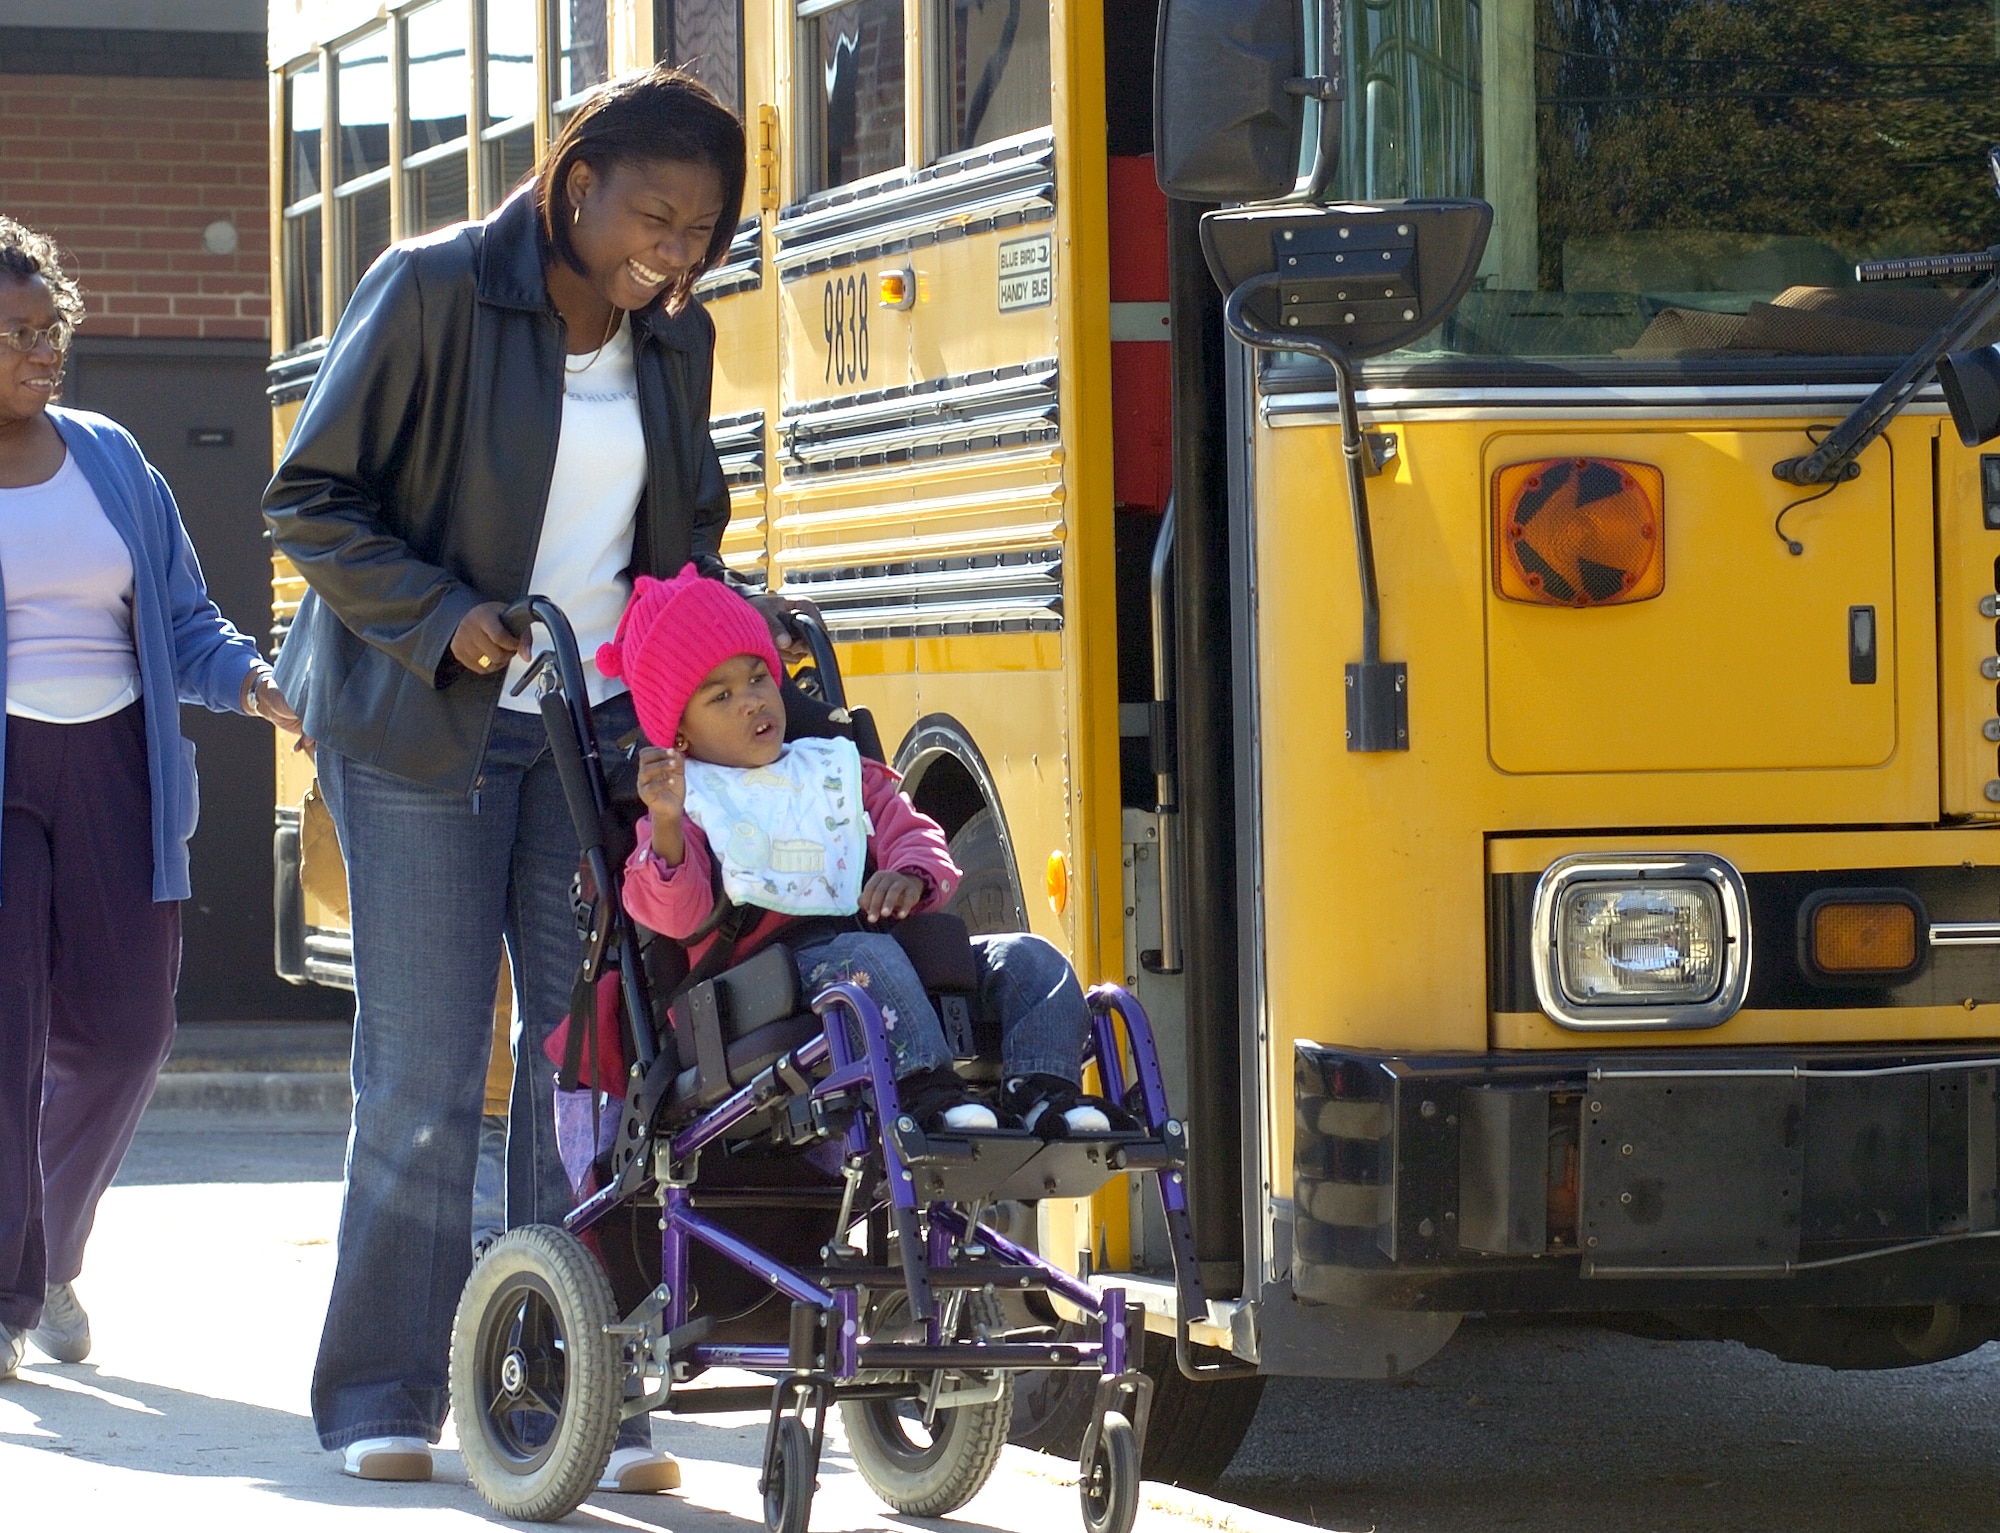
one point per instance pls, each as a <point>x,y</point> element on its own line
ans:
<point>662,782</point>
<point>890,896</point>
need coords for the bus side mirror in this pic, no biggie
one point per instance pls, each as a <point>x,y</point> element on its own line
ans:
<point>1233,99</point>
<point>1363,279</point>
<point>1971,384</point>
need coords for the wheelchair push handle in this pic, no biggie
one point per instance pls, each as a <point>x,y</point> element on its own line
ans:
<point>824,661</point>
<point>566,713</point>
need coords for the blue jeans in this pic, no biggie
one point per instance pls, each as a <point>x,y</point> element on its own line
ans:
<point>435,881</point>
<point>1023,980</point>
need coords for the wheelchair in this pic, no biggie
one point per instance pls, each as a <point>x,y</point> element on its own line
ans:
<point>766,1205</point>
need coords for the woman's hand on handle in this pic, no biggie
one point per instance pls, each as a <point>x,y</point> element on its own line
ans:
<point>482,643</point>
<point>776,610</point>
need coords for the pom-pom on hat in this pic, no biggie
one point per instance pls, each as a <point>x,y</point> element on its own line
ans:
<point>674,632</point>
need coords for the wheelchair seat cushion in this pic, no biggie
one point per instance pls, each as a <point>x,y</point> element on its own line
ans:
<point>746,1055</point>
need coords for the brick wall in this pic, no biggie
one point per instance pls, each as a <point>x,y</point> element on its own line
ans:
<point>127,173</point>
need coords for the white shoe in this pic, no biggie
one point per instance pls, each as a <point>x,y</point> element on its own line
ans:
<point>64,1333</point>
<point>387,1458</point>
<point>12,1344</point>
<point>971,1115</point>
<point>641,1471</point>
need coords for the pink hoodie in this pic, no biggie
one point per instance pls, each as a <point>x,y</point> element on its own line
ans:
<point>675,901</point>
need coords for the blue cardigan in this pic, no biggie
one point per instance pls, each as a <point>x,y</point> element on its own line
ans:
<point>188,651</point>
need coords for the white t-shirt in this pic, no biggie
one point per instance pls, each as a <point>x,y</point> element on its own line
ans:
<point>593,509</point>
<point>68,578</point>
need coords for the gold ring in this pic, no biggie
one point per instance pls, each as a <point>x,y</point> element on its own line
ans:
<point>486,662</point>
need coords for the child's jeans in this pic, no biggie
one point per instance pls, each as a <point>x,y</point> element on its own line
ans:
<point>1023,980</point>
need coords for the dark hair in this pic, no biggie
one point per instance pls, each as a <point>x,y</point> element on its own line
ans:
<point>642,119</point>
<point>25,255</point>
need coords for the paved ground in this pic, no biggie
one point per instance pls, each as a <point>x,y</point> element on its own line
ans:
<point>206,1282</point>
<point>213,1253</point>
<point>1581,1431</point>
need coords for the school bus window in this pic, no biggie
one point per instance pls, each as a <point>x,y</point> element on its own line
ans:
<point>704,37</point>
<point>507,136</point>
<point>437,101</point>
<point>305,126</point>
<point>1677,184</point>
<point>851,83</point>
<point>1423,141</point>
<point>581,51</point>
<point>361,190</point>
<point>990,71</point>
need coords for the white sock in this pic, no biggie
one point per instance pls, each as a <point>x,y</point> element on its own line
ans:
<point>970,1115</point>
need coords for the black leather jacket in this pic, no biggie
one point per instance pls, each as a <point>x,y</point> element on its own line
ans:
<point>413,485</point>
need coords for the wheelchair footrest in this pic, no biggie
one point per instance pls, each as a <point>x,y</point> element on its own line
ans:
<point>1019,1165</point>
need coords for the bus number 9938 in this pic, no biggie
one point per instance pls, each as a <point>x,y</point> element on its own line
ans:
<point>844,307</point>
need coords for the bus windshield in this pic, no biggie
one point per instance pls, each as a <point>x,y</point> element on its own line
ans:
<point>1683,179</point>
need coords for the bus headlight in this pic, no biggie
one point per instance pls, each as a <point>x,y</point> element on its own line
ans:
<point>1641,941</point>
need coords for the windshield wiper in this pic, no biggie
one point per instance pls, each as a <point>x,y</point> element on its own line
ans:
<point>1834,459</point>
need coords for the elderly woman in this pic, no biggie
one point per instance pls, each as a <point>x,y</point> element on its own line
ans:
<point>107,630</point>
<point>511,406</point>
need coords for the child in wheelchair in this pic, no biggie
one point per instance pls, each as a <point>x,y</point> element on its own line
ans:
<point>821,850</point>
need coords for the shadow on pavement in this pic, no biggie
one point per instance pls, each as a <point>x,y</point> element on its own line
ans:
<point>171,1440</point>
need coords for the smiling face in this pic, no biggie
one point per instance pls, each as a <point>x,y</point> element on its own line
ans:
<point>642,227</point>
<point>735,718</point>
<point>28,379</point>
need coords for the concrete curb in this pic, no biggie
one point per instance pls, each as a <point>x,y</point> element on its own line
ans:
<point>303,1093</point>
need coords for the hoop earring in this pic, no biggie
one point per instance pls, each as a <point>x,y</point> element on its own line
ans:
<point>576,215</point>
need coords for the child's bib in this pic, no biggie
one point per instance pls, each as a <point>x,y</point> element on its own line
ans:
<point>791,836</point>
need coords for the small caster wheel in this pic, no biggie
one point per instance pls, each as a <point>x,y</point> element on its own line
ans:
<point>1109,1480</point>
<point>789,1481</point>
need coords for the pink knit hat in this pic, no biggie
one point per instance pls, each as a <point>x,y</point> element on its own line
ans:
<point>674,632</point>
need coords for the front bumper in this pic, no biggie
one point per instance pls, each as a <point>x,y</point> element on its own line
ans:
<point>1647,1179</point>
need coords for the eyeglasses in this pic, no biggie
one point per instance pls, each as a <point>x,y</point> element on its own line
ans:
<point>25,338</point>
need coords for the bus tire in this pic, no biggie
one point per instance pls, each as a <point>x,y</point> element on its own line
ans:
<point>988,897</point>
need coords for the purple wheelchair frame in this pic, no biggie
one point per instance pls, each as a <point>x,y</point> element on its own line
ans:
<point>825,1356</point>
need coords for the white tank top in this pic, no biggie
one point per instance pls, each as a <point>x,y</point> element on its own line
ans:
<point>68,579</point>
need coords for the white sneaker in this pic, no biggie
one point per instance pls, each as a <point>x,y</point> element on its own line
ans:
<point>12,1344</point>
<point>641,1471</point>
<point>387,1458</point>
<point>64,1333</point>
<point>971,1115</point>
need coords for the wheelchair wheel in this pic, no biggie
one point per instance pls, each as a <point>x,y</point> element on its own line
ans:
<point>1109,1483</point>
<point>789,1482</point>
<point>535,1381</point>
<point>920,1471</point>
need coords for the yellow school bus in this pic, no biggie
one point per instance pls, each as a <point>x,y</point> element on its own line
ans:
<point>1442,606</point>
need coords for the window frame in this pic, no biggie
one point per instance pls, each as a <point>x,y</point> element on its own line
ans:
<point>808,150</point>
<point>936,102</point>
<point>663,11</point>
<point>403,224</point>
<point>301,209</point>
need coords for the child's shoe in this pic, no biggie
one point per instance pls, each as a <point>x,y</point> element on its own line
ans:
<point>1052,1107</point>
<point>937,1099</point>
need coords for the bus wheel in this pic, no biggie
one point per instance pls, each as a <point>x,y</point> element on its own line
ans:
<point>1193,1431</point>
<point>988,898</point>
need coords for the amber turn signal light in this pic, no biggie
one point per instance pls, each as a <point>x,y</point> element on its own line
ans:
<point>1858,937</point>
<point>1055,880</point>
<point>1579,532</point>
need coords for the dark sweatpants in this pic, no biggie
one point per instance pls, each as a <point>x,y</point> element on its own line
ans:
<point>88,965</point>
